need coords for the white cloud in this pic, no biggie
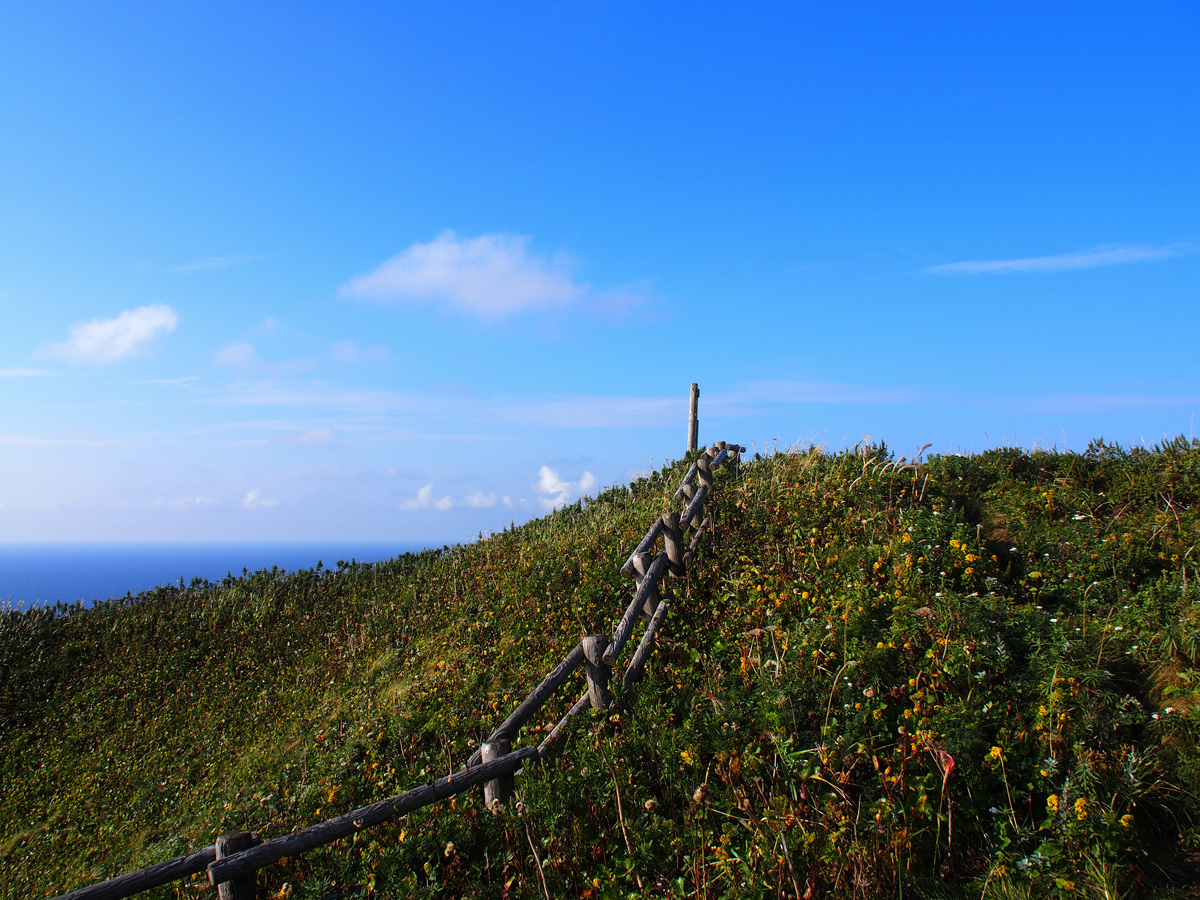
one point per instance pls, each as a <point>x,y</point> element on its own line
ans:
<point>1062,262</point>
<point>24,373</point>
<point>490,276</point>
<point>110,340</point>
<point>426,500</point>
<point>255,500</point>
<point>480,500</point>
<point>556,491</point>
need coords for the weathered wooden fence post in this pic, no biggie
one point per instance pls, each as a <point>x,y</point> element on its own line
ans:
<point>497,791</point>
<point>242,887</point>
<point>693,422</point>
<point>641,565</point>
<point>673,543</point>
<point>597,672</point>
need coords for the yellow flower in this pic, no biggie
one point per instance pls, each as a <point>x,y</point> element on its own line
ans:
<point>995,753</point>
<point>1052,803</point>
<point>1126,820</point>
<point>688,759</point>
<point>1081,809</point>
<point>879,646</point>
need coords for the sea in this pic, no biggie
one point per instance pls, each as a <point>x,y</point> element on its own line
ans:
<point>37,574</point>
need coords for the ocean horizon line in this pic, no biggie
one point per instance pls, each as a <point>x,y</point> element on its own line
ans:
<point>45,573</point>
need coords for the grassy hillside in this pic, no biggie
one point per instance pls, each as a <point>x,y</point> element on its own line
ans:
<point>975,677</point>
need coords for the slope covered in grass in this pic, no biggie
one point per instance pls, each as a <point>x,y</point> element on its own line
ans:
<point>976,676</point>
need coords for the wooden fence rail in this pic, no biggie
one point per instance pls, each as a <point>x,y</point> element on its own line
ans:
<point>233,860</point>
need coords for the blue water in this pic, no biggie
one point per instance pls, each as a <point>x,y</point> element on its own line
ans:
<point>33,574</point>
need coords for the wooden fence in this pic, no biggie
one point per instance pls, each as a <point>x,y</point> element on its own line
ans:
<point>232,861</point>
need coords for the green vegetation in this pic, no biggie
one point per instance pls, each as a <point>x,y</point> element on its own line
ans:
<point>975,677</point>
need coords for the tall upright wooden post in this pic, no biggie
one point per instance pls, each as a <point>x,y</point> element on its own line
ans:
<point>242,887</point>
<point>497,791</point>
<point>597,672</point>
<point>693,422</point>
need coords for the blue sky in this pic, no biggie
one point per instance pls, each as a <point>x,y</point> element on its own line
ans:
<point>375,272</point>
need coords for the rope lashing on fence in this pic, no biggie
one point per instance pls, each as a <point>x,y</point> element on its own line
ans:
<point>232,873</point>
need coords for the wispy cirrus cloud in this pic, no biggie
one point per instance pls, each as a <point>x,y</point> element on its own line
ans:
<point>492,276</point>
<point>1091,403</point>
<point>210,264</point>
<point>1062,262</point>
<point>353,352</point>
<point>243,358</point>
<point>184,503</point>
<point>559,411</point>
<point>102,341</point>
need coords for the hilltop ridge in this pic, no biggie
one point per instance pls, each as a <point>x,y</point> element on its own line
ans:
<point>974,674</point>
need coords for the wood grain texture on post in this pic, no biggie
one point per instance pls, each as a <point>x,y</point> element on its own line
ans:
<point>673,543</point>
<point>641,566</point>
<point>497,791</point>
<point>693,418</point>
<point>638,663</point>
<point>691,553</point>
<point>352,822</point>
<point>625,626</point>
<point>598,673</point>
<point>695,508</point>
<point>143,879</point>
<point>644,546</point>
<point>240,887</point>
